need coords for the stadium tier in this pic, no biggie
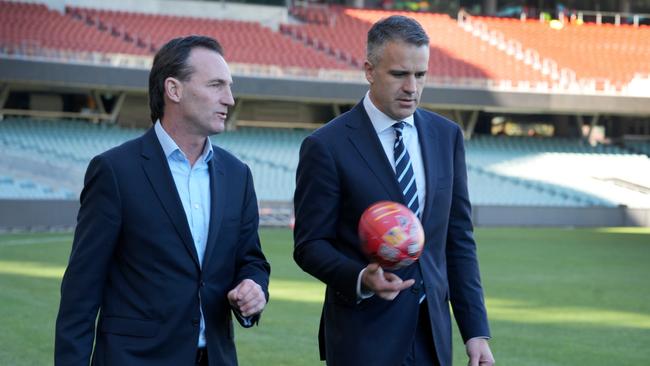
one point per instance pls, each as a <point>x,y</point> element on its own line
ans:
<point>600,52</point>
<point>455,53</point>
<point>588,176</point>
<point>244,42</point>
<point>503,171</point>
<point>505,52</point>
<point>30,27</point>
<point>641,147</point>
<point>11,188</point>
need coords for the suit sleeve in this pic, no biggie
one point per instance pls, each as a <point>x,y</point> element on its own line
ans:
<point>317,204</point>
<point>251,263</point>
<point>466,293</point>
<point>98,227</point>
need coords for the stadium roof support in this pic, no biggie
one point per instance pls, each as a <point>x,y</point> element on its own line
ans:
<point>592,123</point>
<point>467,120</point>
<point>49,75</point>
<point>4,94</point>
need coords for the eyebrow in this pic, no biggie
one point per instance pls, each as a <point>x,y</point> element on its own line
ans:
<point>402,72</point>
<point>220,81</point>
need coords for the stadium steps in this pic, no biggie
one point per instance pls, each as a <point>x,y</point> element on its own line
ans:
<point>616,53</point>
<point>454,53</point>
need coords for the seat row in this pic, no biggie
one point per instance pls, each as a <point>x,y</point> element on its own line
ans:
<point>502,171</point>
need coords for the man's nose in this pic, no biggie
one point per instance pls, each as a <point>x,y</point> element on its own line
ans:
<point>410,85</point>
<point>227,98</point>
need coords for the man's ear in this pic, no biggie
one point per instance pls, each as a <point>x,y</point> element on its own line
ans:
<point>173,89</point>
<point>369,68</point>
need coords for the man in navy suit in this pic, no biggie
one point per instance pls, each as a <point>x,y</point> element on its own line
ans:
<point>166,245</point>
<point>371,316</point>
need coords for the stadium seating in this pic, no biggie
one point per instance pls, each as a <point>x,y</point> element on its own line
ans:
<point>244,42</point>
<point>584,175</point>
<point>599,52</point>
<point>27,189</point>
<point>641,147</point>
<point>454,52</point>
<point>69,145</point>
<point>505,171</point>
<point>26,27</point>
<point>334,38</point>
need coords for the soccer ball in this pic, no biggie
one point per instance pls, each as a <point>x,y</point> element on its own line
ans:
<point>391,235</point>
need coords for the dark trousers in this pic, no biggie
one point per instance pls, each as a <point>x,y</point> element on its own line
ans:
<point>202,357</point>
<point>423,351</point>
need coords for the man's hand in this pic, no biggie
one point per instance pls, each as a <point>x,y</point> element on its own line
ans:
<point>248,298</point>
<point>479,352</point>
<point>384,284</point>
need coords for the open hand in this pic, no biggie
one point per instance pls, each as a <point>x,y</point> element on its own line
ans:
<point>386,285</point>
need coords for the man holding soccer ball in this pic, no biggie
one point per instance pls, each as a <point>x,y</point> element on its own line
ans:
<point>386,149</point>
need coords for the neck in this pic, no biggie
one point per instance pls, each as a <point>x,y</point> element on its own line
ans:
<point>191,145</point>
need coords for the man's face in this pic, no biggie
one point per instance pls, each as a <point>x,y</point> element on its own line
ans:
<point>206,94</point>
<point>397,78</point>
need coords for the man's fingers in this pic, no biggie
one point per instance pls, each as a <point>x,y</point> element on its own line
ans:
<point>373,268</point>
<point>406,284</point>
<point>253,303</point>
<point>247,297</point>
<point>248,294</point>
<point>232,296</point>
<point>254,306</point>
<point>243,289</point>
<point>392,282</point>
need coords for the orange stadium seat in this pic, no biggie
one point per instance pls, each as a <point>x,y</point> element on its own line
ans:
<point>606,51</point>
<point>34,25</point>
<point>244,42</point>
<point>454,52</point>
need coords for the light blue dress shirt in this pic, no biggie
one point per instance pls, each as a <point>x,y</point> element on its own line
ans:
<point>193,186</point>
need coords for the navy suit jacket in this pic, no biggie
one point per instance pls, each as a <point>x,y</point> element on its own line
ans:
<point>343,170</point>
<point>133,258</point>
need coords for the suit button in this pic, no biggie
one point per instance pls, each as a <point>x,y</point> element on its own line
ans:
<point>195,322</point>
<point>202,284</point>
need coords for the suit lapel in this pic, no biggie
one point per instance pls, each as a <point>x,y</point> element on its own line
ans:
<point>365,140</point>
<point>160,177</point>
<point>218,191</point>
<point>428,145</point>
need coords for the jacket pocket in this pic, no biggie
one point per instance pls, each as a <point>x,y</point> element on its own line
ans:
<point>129,327</point>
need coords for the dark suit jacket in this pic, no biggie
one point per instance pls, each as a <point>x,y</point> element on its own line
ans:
<point>133,257</point>
<point>343,170</point>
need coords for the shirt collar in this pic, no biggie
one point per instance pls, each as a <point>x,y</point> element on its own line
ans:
<point>169,146</point>
<point>380,121</point>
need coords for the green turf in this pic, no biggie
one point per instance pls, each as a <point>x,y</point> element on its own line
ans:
<point>554,296</point>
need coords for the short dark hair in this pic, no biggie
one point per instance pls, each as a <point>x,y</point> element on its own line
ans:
<point>394,28</point>
<point>171,61</point>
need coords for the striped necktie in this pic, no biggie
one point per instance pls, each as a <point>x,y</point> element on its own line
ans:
<point>404,171</point>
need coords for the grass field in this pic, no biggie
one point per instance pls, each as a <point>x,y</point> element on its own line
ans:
<point>554,296</point>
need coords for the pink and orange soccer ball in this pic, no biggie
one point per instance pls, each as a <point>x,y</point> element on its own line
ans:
<point>391,235</point>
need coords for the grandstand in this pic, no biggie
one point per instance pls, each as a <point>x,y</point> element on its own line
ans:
<point>73,84</point>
